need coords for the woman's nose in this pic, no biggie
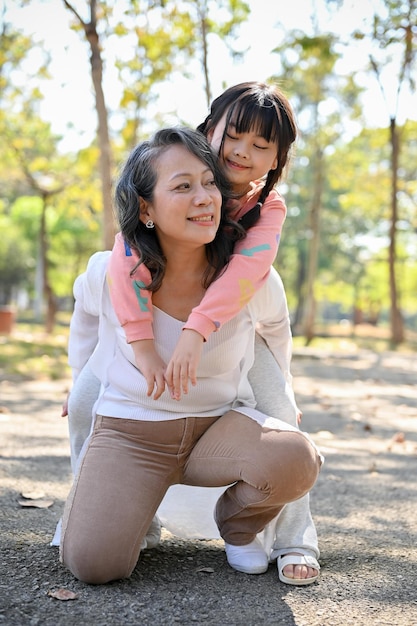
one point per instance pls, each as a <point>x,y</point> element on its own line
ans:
<point>202,196</point>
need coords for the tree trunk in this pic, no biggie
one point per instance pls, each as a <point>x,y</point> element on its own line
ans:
<point>313,253</point>
<point>109,227</point>
<point>299,288</point>
<point>90,29</point>
<point>202,12</point>
<point>397,323</point>
<point>48,293</point>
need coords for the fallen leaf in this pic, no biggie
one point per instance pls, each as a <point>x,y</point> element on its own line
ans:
<point>36,504</point>
<point>206,570</point>
<point>33,495</point>
<point>397,438</point>
<point>62,594</point>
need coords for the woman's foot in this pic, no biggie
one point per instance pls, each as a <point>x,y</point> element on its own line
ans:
<point>297,569</point>
<point>249,559</point>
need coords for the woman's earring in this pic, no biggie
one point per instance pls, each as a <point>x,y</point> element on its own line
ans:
<point>150,224</point>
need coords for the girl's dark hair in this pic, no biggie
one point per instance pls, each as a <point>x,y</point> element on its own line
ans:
<point>262,108</point>
<point>138,179</point>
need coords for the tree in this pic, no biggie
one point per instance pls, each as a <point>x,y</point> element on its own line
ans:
<point>165,34</point>
<point>45,176</point>
<point>394,35</point>
<point>308,71</point>
<point>106,166</point>
<point>221,19</point>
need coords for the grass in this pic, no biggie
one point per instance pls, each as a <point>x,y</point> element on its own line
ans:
<point>28,353</point>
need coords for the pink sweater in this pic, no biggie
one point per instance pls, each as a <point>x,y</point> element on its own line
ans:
<point>246,273</point>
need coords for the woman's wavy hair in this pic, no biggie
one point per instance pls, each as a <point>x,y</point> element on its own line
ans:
<point>264,109</point>
<point>138,179</point>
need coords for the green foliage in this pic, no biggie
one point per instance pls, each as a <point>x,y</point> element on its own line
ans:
<point>30,354</point>
<point>15,259</point>
<point>159,40</point>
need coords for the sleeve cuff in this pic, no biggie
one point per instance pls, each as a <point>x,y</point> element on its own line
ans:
<point>201,324</point>
<point>136,331</point>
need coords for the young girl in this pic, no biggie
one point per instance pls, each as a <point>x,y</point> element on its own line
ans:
<point>251,126</point>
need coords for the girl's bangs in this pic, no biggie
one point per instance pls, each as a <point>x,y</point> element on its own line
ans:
<point>261,119</point>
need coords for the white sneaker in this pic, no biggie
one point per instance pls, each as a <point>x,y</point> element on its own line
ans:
<point>249,559</point>
<point>153,535</point>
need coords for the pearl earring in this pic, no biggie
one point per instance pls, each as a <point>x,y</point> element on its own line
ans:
<point>150,224</point>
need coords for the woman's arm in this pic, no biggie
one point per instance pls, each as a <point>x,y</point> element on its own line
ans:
<point>270,314</point>
<point>84,325</point>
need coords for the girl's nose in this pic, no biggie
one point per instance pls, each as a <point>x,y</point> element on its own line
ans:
<point>240,149</point>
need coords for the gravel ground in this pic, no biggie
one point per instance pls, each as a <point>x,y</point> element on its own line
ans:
<point>360,408</point>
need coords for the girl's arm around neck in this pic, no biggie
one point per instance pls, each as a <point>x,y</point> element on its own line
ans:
<point>246,272</point>
<point>131,302</point>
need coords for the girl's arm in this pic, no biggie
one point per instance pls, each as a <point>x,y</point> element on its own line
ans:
<point>131,301</point>
<point>133,306</point>
<point>246,272</point>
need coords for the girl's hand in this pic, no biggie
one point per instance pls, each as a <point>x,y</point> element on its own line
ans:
<point>299,416</point>
<point>64,411</point>
<point>184,362</point>
<point>150,364</point>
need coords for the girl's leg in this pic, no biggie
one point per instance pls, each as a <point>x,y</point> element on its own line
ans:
<point>294,529</point>
<point>267,381</point>
<point>122,478</point>
<point>80,411</point>
<point>269,468</point>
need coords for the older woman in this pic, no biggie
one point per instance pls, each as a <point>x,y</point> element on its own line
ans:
<point>170,210</point>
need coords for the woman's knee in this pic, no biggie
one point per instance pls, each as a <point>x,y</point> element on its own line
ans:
<point>94,567</point>
<point>298,464</point>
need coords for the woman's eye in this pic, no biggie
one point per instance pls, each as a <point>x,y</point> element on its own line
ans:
<point>183,186</point>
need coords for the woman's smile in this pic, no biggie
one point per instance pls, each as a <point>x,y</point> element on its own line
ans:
<point>202,219</point>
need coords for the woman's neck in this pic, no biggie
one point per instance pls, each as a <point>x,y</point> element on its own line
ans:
<point>182,286</point>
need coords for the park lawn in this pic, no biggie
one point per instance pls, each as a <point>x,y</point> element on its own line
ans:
<point>28,353</point>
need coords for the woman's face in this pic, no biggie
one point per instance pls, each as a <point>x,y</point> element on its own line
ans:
<point>186,205</point>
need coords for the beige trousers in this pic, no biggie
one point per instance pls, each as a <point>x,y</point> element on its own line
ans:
<point>129,465</point>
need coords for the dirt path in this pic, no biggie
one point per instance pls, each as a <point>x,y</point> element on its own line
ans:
<point>362,411</point>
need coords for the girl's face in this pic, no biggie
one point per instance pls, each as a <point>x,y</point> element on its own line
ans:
<point>245,157</point>
<point>186,205</point>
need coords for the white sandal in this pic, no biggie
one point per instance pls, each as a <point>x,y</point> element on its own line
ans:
<point>297,559</point>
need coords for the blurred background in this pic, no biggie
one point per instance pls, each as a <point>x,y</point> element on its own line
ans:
<point>81,82</point>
